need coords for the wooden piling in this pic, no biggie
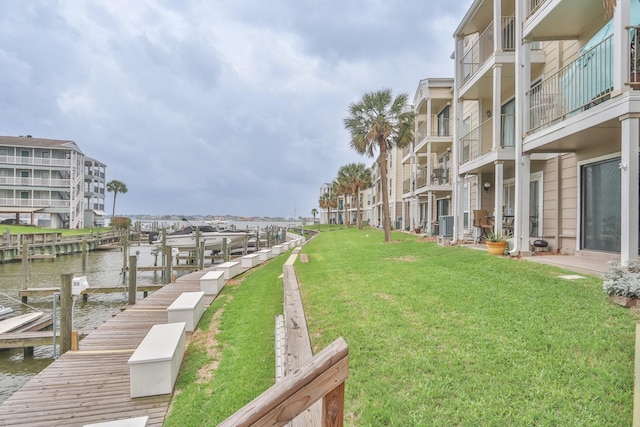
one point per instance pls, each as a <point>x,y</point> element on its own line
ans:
<point>133,267</point>
<point>66,304</point>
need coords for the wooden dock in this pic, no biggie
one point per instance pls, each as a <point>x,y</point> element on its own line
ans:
<point>91,385</point>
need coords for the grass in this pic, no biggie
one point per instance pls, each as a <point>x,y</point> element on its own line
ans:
<point>453,336</point>
<point>230,359</point>
<point>28,229</point>
<point>437,336</point>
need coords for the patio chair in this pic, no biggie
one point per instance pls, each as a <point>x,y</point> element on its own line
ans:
<point>482,223</point>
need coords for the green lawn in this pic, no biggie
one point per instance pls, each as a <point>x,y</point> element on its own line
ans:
<point>437,337</point>
<point>454,336</point>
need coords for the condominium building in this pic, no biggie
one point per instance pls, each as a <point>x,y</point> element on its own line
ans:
<point>427,164</point>
<point>45,179</point>
<point>548,123</point>
<point>94,192</point>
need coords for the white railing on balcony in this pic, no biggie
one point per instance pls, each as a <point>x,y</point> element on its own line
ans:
<point>441,126</point>
<point>421,133</point>
<point>35,203</point>
<point>34,182</point>
<point>421,177</point>
<point>533,5</point>
<point>406,185</point>
<point>483,48</point>
<point>440,175</point>
<point>471,143</point>
<point>585,82</point>
<point>634,58</point>
<point>34,161</point>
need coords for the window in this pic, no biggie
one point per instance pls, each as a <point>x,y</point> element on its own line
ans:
<point>443,122</point>
<point>466,202</point>
<point>508,112</point>
<point>466,141</point>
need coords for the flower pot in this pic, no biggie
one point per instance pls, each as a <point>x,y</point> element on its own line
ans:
<point>496,248</point>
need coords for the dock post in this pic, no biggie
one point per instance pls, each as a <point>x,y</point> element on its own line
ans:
<point>225,253</point>
<point>65,312</point>
<point>25,263</point>
<point>84,256</point>
<point>201,257</point>
<point>133,268</point>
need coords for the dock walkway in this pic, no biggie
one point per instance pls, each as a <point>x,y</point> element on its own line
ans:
<point>91,385</point>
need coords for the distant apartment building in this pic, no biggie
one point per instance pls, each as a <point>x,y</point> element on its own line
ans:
<point>427,164</point>
<point>548,123</point>
<point>50,182</point>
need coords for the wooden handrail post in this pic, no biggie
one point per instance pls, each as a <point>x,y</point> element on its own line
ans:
<point>322,377</point>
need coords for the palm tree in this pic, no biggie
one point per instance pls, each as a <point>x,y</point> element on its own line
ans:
<point>380,122</point>
<point>356,177</point>
<point>116,187</point>
<point>314,212</point>
<point>328,201</point>
<point>341,188</point>
<point>362,180</point>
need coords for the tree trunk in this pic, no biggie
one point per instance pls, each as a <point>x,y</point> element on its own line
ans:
<point>113,211</point>
<point>386,223</point>
<point>358,219</point>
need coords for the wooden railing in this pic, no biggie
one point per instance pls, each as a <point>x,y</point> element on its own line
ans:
<point>322,377</point>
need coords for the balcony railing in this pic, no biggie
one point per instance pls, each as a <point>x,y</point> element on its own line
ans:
<point>421,178</point>
<point>634,56</point>
<point>406,185</point>
<point>533,6</point>
<point>34,161</point>
<point>440,127</point>
<point>482,49</point>
<point>34,182</point>
<point>35,203</point>
<point>584,83</point>
<point>472,143</point>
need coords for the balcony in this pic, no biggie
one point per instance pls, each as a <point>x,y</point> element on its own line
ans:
<point>483,47</point>
<point>15,181</point>
<point>441,127</point>
<point>479,141</point>
<point>584,83</point>
<point>35,161</point>
<point>35,203</point>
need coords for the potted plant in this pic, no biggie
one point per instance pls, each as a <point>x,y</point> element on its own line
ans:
<point>496,243</point>
<point>622,283</point>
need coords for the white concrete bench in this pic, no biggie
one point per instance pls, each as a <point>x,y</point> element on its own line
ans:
<point>250,261</point>
<point>277,249</point>
<point>265,254</point>
<point>126,422</point>
<point>231,269</point>
<point>188,307</point>
<point>212,282</point>
<point>154,366</point>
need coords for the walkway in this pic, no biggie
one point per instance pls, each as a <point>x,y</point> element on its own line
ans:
<point>92,385</point>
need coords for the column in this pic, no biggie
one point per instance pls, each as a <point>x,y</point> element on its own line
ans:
<point>498,192</point>
<point>497,107</point>
<point>629,171</point>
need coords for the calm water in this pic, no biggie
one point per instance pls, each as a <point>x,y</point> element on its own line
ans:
<point>103,268</point>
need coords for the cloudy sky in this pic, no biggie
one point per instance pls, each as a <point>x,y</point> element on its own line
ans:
<point>213,107</point>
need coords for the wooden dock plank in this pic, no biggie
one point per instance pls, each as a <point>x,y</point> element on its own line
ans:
<point>92,385</point>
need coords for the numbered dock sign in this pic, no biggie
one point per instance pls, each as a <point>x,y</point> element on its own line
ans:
<point>79,284</point>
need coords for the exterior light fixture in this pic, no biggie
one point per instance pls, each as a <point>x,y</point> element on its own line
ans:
<point>487,186</point>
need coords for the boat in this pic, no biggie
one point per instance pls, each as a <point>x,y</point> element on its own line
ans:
<point>207,234</point>
<point>5,310</point>
<point>13,323</point>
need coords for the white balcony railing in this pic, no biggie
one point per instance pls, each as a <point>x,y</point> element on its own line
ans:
<point>34,182</point>
<point>585,82</point>
<point>483,48</point>
<point>533,5</point>
<point>34,161</point>
<point>35,203</point>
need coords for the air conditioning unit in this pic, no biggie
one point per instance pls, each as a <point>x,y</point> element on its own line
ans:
<point>446,226</point>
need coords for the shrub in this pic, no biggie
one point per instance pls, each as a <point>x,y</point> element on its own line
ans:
<point>622,280</point>
<point>121,222</point>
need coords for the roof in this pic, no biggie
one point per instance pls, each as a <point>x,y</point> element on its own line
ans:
<point>30,142</point>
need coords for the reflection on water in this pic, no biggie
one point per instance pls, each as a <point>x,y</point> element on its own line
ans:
<point>103,269</point>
